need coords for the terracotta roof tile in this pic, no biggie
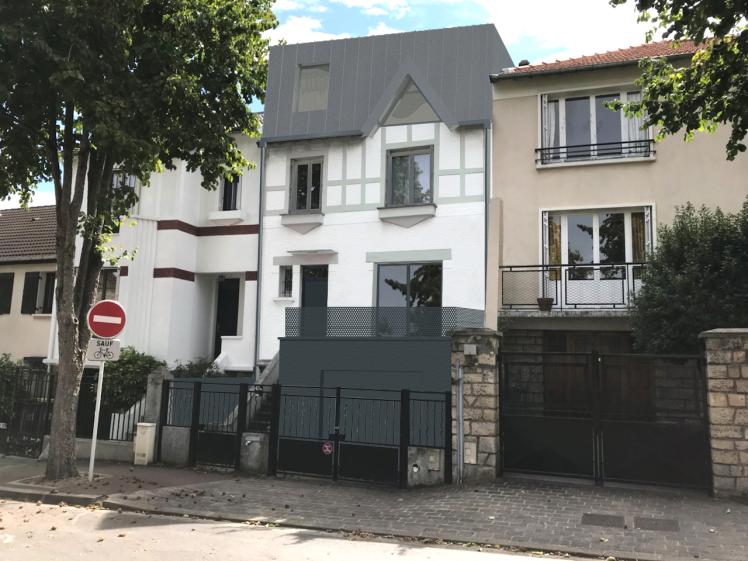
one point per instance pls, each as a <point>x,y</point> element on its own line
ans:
<point>621,56</point>
<point>27,235</point>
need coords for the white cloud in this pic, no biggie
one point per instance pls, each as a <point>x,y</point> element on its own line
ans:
<point>570,28</point>
<point>302,29</point>
<point>298,5</point>
<point>393,8</point>
<point>383,29</point>
<point>40,198</point>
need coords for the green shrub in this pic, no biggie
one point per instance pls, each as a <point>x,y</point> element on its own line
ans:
<point>697,280</point>
<point>200,368</point>
<point>126,379</point>
<point>8,374</point>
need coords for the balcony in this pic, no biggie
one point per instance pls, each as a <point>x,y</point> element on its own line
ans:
<point>574,288</point>
<point>590,153</point>
<point>363,321</point>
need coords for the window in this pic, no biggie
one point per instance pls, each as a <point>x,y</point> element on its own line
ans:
<point>409,177</point>
<point>606,237</point>
<point>107,289</point>
<point>285,287</point>
<point>312,87</point>
<point>306,185</point>
<point>411,107</point>
<point>581,127</point>
<point>409,285</point>
<point>230,194</point>
<point>6,292</point>
<point>38,293</point>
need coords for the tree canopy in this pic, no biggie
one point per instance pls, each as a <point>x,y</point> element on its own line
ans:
<point>696,280</point>
<point>713,88</point>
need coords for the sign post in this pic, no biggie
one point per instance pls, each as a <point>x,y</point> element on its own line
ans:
<point>106,320</point>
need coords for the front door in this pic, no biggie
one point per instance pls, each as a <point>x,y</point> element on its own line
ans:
<point>314,300</point>
<point>227,311</point>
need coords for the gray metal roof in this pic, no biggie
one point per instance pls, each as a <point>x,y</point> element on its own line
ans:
<point>450,67</point>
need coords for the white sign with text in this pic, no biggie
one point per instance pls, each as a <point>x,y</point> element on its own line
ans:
<point>100,350</point>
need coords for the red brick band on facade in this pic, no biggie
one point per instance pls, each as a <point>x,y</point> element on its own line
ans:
<point>185,227</point>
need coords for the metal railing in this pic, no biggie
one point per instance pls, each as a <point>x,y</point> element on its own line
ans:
<point>367,321</point>
<point>600,151</point>
<point>560,287</point>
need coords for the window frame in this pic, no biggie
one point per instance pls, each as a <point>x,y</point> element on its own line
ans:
<point>408,265</point>
<point>7,278</point>
<point>558,154</point>
<point>44,293</point>
<point>285,281</point>
<point>410,152</point>
<point>297,88</point>
<point>295,163</point>
<point>115,279</point>
<point>235,181</point>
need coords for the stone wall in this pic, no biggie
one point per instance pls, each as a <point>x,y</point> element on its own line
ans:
<point>476,350</point>
<point>727,376</point>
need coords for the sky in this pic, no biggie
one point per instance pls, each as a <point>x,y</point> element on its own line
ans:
<point>537,30</point>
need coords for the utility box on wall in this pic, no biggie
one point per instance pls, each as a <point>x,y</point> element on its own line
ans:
<point>145,444</point>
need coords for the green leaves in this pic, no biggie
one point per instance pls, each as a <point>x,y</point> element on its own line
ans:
<point>713,89</point>
<point>696,280</point>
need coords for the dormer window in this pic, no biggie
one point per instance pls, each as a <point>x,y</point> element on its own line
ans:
<point>577,128</point>
<point>312,87</point>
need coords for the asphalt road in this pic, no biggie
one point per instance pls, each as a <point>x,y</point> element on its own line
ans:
<point>34,532</point>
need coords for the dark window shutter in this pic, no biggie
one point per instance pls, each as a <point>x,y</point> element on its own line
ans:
<point>49,293</point>
<point>6,292</point>
<point>30,290</point>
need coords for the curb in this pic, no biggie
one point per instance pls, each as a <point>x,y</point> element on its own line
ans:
<point>17,494</point>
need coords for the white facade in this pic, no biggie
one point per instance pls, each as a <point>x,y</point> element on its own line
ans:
<point>353,233</point>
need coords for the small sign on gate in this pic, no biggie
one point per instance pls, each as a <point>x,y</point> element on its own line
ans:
<point>327,448</point>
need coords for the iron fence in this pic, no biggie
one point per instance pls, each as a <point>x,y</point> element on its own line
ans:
<point>25,409</point>
<point>367,321</point>
<point>599,151</point>
<point>581,286</point>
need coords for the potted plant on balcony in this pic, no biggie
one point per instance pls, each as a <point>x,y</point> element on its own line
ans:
<point>545,304</point>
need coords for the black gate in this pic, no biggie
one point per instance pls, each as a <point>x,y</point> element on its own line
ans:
<point>358,434</point>
<point>25,410</point>
<point>628,418</point>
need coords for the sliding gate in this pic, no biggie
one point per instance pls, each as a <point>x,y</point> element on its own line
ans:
<point>628,418</point>
<point>358,434</point>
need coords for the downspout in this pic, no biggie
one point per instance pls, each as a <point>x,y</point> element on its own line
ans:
<point>487,206</point>
<point>258,302</point>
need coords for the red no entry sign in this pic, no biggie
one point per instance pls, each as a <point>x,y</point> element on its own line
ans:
<point>106,319</point>
<point>327,448</point>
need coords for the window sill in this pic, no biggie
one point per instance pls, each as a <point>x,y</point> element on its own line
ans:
<point>41,316</point>
<point>286,299</point>
<point>407,216</point>
<point>597,162</point>
<point>226,217</point>
<point>303,222</point>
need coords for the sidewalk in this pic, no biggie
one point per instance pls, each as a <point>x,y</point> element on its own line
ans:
<point>625,523</point>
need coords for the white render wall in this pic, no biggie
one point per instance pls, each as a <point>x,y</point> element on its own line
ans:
<point>353,189</point>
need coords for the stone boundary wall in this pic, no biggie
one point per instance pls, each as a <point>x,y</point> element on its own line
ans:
<point>727,379</point>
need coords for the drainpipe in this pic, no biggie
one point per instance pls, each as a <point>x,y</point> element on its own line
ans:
<point>486,222</point>
<point>460,426</point>
<point>258,303</point>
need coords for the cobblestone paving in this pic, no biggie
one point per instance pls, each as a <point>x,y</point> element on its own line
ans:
<point>531,514</point>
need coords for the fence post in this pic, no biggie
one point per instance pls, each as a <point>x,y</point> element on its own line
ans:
<point>404,436</point>
<point>275,403</point>
<point>241,423</point>
<point>195,423</point>
<point>163,415</point>
<point>448,437</point>
<point>597,442</point>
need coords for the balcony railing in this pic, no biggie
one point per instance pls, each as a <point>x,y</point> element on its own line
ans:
<point>600,151</point>
<point>362,321</point>
<point>563,287</point>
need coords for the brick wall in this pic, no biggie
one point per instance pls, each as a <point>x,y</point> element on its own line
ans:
<point>727,378</point>
<point>476,350</point>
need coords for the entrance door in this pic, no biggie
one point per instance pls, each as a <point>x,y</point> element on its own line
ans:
<point>227,311</point>
<point>313,300</point>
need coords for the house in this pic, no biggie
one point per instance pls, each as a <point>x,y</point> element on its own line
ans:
<point>27,280</point>
<point>578,192</point>
<point>376,169</point>
<point>188,282</point>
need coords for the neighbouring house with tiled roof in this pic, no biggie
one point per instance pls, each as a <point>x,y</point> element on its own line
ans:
<point>578,193</point>
<point>27,275</point>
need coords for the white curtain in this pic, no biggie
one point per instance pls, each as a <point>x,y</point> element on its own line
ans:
<point>635,123</point>
<point>550,126</point>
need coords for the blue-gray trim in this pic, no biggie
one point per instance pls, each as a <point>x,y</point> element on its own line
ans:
<point>450,67</point>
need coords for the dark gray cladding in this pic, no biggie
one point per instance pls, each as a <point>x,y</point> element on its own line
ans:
<point>451,67</point>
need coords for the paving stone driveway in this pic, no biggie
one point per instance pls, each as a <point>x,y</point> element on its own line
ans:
<point>532,514</point>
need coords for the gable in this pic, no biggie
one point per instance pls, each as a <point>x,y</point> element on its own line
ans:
<point>410,108</point>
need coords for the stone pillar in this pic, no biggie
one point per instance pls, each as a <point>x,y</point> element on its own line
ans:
<point>477,351</point>
<point>153,394</point>
<point>727,378</point>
